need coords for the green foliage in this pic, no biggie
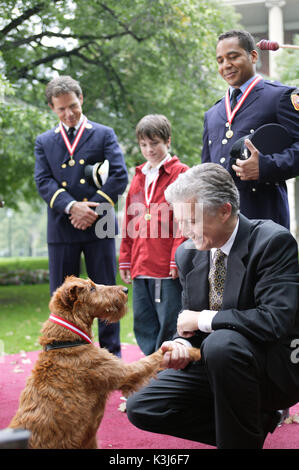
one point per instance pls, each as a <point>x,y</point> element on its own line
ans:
<point>24,308</point>
<point>19,125</point>
<point>23,232</point>
<point>131,58</point>
<point>288,65</point>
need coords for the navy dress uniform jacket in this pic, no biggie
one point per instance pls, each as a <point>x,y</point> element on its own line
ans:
<point>268,102</point>
<point>58,183</point>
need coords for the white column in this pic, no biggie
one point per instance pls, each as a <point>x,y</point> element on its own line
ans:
<point>276,31</point>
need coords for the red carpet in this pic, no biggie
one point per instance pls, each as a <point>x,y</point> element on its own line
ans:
<point>116,432</point>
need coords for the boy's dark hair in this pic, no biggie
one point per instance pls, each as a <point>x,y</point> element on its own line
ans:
<point>62,85</point>
<point>154,125</point>
<point>246,41</point>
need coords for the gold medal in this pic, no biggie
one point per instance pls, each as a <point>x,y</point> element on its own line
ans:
<point>147,216</point>
<point>229,134</point>
<point>72,162</point>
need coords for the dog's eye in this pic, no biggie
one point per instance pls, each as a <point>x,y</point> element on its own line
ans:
<point>92,289</point>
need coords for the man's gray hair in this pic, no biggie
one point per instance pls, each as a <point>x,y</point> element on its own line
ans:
<point>209,184</point>
<point>62,85</point>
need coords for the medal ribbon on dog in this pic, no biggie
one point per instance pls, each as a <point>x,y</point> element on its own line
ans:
<point>72,148</point>
<point>231,114</point>
<point>69,326</point>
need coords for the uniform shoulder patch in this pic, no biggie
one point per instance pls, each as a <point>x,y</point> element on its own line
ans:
<point>295,99</point>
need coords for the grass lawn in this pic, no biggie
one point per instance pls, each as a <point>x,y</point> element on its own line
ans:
<point>24,308</point>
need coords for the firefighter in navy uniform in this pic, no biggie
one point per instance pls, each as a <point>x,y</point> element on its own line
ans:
<point>62,155</point>
<point>261,178</point>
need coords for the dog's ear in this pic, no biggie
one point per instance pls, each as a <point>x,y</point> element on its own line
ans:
<point>70,294</point>
<point>66,295</point>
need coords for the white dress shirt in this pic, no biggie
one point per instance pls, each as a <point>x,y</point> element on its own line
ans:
<point>206,316</point>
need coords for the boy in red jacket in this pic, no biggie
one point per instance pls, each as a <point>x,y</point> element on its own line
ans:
<point>150,237</point>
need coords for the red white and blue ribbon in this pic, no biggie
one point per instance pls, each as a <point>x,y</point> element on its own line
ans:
<point>69,326</point>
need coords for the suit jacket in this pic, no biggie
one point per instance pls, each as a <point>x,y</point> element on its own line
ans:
<point>268,102</point>
<point>260,298</point>
<point>58,183</point>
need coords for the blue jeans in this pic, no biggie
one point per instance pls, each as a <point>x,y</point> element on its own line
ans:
<point>155,322</point>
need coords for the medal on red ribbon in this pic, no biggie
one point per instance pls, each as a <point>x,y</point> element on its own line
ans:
<point>149,197</point>
<point>72,148</point>
<point>231,114</point>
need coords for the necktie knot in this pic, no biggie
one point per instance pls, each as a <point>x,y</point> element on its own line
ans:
<point>219,256</point>
<point>236,92</point>
<point>71,133</point>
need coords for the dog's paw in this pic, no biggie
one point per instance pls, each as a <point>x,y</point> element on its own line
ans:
<point>194,354</point>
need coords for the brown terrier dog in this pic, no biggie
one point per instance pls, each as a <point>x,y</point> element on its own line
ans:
<point>64,399</point>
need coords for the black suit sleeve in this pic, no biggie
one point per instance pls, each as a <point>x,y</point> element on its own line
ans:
<point>271,284</point>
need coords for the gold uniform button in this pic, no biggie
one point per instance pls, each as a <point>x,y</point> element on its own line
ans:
<point>63,165</point>
<point>64,183</point>
<point>81,161</point>
<point>85,199</point>
<point>82,180</point>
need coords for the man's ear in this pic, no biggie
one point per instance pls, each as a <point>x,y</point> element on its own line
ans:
<point>254,56</point>
<point>225,210</point>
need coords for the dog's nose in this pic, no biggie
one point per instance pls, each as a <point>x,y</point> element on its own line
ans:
<point>125,290</point>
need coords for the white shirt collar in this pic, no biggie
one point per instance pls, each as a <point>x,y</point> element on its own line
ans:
<point>77,125</point>
<point>227,245</point>
<point>242,87</point>
<point>148,169</point>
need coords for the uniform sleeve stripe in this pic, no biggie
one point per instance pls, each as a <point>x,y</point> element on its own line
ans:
<point>55,196</point>
<point>108,198</point>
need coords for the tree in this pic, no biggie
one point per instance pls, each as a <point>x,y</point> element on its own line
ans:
<point>131,58</point>
<point>19,125</point>
<point>288,65</point>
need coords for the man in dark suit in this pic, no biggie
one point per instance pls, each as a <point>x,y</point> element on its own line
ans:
<point>240,282</point>
<point>75,206</point>
<point>261,178</point>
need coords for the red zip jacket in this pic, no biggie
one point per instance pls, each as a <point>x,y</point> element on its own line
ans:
<point>148,246</point>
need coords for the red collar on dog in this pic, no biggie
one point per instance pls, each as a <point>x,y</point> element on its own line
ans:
<point>69,326</point>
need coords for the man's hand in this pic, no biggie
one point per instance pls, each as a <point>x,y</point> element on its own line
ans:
<point>187,323</point>
<point>82,215</point>
<point>248,170</point>
<point>176,355</point>
<point>125,275</point>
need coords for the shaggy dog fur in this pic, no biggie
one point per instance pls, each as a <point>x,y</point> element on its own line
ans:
<point>64,399</point>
